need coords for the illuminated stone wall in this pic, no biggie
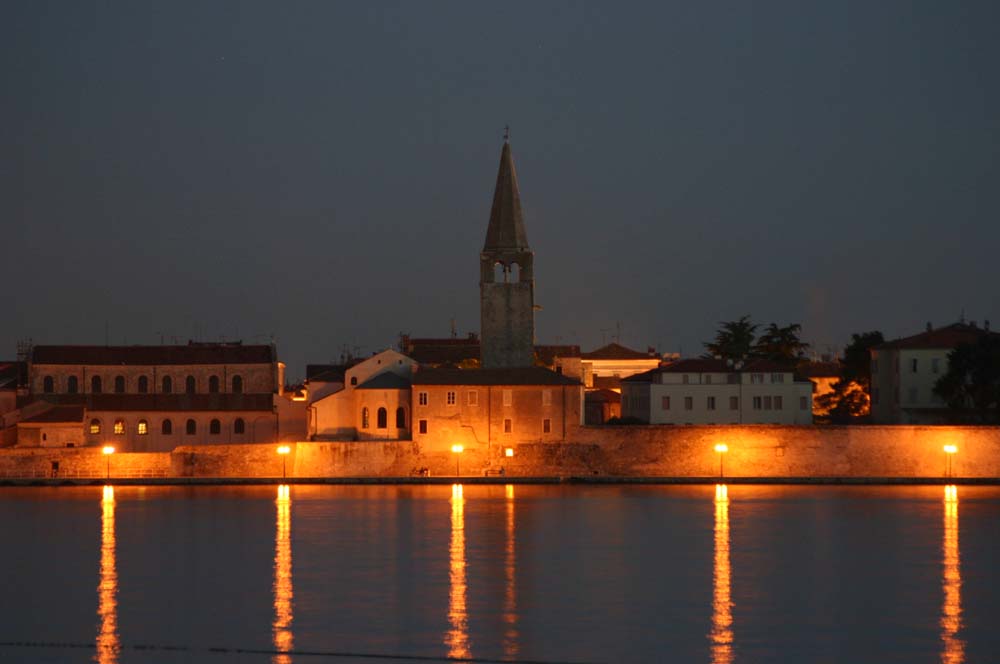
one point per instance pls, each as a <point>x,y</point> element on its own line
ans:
<point>81,463</point>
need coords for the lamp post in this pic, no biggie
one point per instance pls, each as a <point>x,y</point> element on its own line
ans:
<point>457,451</point>
<point>721,449</point>
<point>107,452</point>
<point>949,451</point>
<point>283,451</point>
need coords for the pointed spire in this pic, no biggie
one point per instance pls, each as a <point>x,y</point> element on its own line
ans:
<point>506,229</point>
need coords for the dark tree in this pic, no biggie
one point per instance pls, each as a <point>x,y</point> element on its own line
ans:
<point>733,341</point>
<point>971,386</point>
<point>851,395</point>
<point>781,344</point>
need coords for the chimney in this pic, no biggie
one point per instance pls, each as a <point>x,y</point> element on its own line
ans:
<point>929,328</point>
<point>972,324</point>
<point>986,324</point>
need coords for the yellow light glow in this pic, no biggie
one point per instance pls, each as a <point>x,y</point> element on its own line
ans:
<point>953,648</point>
<point>283,590</point>
<point>108,645</point>
<point>457,449</point>
<point>511,638</point>
<point>509,452</point>
<point>722,448</point>
<point>457,638</point>
<point>951,449</point>
<point>284,449</point>
<point>108,450</point>
<point>721,636</point>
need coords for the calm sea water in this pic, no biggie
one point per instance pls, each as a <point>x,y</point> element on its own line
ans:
<point>540,573</point>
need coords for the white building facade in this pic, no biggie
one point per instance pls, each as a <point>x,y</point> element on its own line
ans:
<point>708,391</point>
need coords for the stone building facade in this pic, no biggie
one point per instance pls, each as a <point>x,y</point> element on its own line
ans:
<point>154,398</point>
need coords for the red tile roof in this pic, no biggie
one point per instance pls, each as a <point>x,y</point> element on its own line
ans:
<point>519,376</point>
<point>193,353</point>
<point>57,414</point>
<point>942,337</point>
<point>615,351</point>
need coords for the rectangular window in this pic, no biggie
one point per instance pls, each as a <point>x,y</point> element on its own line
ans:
<point>422,398</point>
<point>767,403</point>
<point>732,378</point>
<point>734,403</point>
<point>508,425</point>
<point>777,378</point>
<point>422,426</point>
<point>757,378</point>
<point>665,403</point>
<point>546,426</point>
<point>473,398</point>
<point>684,379</point>
<point>451,398</point>
<point>779,403</point>
<point>546,397</point>
<point>803,403</point>
<point>711,403</point>
<point>936,365</point>
<point>688,403</point>
<point>913,365</point>
<point>756,403</point>
<point>708,379</point>
<point>508,397</point>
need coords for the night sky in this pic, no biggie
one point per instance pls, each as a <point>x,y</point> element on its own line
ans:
<point>322,172</point>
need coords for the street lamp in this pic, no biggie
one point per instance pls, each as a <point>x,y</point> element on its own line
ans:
<point>283,451</point>
<point>457,450</point>
<point>108,451</point>
<point>721,449</point>
<point>950,450</point>
<point>509,452</point>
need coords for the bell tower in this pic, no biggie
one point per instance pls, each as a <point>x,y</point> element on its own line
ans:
<point>506,277</point>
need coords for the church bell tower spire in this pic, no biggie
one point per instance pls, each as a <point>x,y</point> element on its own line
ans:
<point>506,281</point>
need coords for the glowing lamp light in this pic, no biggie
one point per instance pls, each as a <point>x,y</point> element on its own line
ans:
<point>107,451</point>
<point>457,450</point>
<point>950,450</point>
<point>721,448</point>
<point>509,452</point>
<point>284,451</point>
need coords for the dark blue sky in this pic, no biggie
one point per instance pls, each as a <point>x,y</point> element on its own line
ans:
<point>323,171</point>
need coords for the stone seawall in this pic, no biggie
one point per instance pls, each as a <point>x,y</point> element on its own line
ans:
<point>632,451</point>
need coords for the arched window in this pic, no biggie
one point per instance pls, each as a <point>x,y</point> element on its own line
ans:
<point>354,380</point>
<point>400,418</point>
<point>119,427</point>
<point>73,385</point>
<point>239,426</point>
<point>382,419</point>
<point>143,385</point>
<point>499,273</point>
<point>190,428</point>
<point>237,384</point>
<point>364,418</point>
<point>168,385</point>
<point>142,427</point>
<point>213,384</point>
<point>189,385</point>
<point>119,384</point>
<point>167,428</point>
<point>515,272</point>
<point>95,426</point>
<point>215,427</point>
<point>48,385</point>
<point>95,384</point>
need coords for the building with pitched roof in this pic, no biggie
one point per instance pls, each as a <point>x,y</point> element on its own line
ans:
<point>905,370</point>
<point>154,398</point>
<point>605,367</point>
<point>711,391</point>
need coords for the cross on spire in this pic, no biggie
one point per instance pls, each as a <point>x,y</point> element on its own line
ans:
<point>506,133</point>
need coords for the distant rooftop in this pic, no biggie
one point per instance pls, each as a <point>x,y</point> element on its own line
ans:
<point>517,376</point>
<point>942,337</point>
<point>192,353</point>
<point>615,351</point>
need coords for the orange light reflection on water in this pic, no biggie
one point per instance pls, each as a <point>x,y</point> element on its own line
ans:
<point>953,648</point>
<point>510,637</point>
<point>283,590</point>
<point>721,636</point>
<point>108,645</point>
<point>457,638</point>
